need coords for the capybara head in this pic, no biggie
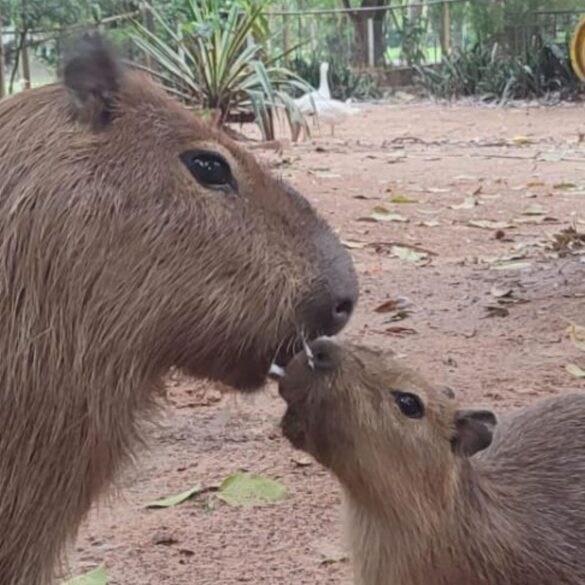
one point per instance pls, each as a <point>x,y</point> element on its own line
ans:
<point>369,419</point>
<point>158,233</point>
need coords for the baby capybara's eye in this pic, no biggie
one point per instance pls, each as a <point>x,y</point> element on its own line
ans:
<point>410,405</point>
<point>210,169</point>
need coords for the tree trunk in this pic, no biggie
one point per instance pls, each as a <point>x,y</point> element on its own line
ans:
<point>360,23</point>
<point>1,58</point>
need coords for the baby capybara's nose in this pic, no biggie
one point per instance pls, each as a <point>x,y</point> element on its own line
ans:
<point>323,354</point>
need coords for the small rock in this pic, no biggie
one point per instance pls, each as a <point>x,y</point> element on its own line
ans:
<point>164,537</point>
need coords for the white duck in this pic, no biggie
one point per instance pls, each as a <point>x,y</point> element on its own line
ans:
<point>320,104</point>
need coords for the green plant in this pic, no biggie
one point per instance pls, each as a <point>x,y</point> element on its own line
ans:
<point>412,32</point>
<point>218,61</point>
<point>484,71</point>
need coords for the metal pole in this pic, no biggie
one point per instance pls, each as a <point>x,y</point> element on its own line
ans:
<point>371,62</point>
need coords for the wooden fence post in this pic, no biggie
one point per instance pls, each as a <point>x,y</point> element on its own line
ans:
<point>25,62</point>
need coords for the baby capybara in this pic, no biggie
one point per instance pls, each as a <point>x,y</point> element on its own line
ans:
<point>437,495</point>
<point>133,238</point>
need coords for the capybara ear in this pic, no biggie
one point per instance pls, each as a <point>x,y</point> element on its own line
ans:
<point>474,431</point>
<point>92,74</point>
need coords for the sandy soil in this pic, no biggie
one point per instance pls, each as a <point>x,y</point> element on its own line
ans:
<point>504,351</point>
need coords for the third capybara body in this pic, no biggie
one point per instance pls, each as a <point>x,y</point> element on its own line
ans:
<point>435,494</point>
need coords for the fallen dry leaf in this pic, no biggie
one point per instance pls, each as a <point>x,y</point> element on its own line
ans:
<point>381,213</point>
<point>331,554</point>
<point>489,224</point>
<point>564,186</point>
<point>399,316</point>
<point>467,178</point>
<point>567,241</point>
<point>512,265</point>
<point>393,305</point>
<point>400,331</point>
<point>536,219</point>
<point>575,370</point>
<point>535,209</point>
<point>400,198</point>
<point>551,156</point>
<point>324,174</point>
<point>521,140</point>
<point>577,335</point>
<point>468,203</point>
<point>301,459</point>
<point>354,244</point>
<point>500,292</point>
<point>410,255</point>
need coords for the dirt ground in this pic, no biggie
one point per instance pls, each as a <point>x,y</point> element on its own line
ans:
<point>485,311</point>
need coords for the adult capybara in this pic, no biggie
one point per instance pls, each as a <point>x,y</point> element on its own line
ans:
<point>429,500</point>
<point>133,238</point>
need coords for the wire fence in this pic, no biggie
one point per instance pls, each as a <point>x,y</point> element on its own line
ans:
<point>372,37</point>
<point>398,36</point>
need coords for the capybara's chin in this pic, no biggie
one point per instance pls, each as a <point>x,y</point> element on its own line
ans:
<point>243,375</point>
<point>293,428</point>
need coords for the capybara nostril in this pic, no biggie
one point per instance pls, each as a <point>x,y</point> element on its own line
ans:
<point>342,311</point>
<point>331,309</point>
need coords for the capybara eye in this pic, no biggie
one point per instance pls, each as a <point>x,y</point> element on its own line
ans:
<point>210,169</point>
<point>410,405</point>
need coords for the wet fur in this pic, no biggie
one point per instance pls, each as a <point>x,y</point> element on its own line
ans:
<point>418,513</point>
<point>115,265</point>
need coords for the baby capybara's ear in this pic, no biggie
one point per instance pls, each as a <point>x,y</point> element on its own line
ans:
<point>92,74</point>
<point>474,430</point>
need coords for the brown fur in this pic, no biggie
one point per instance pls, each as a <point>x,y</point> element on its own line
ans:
<point>116,264</point>
<point>421,512</point>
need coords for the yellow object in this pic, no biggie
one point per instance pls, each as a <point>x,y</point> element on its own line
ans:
<point>578,50</point>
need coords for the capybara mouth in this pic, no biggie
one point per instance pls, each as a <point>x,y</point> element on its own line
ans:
<point>249,375</point>
<point>286,355</point>
<point>295,383</point>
